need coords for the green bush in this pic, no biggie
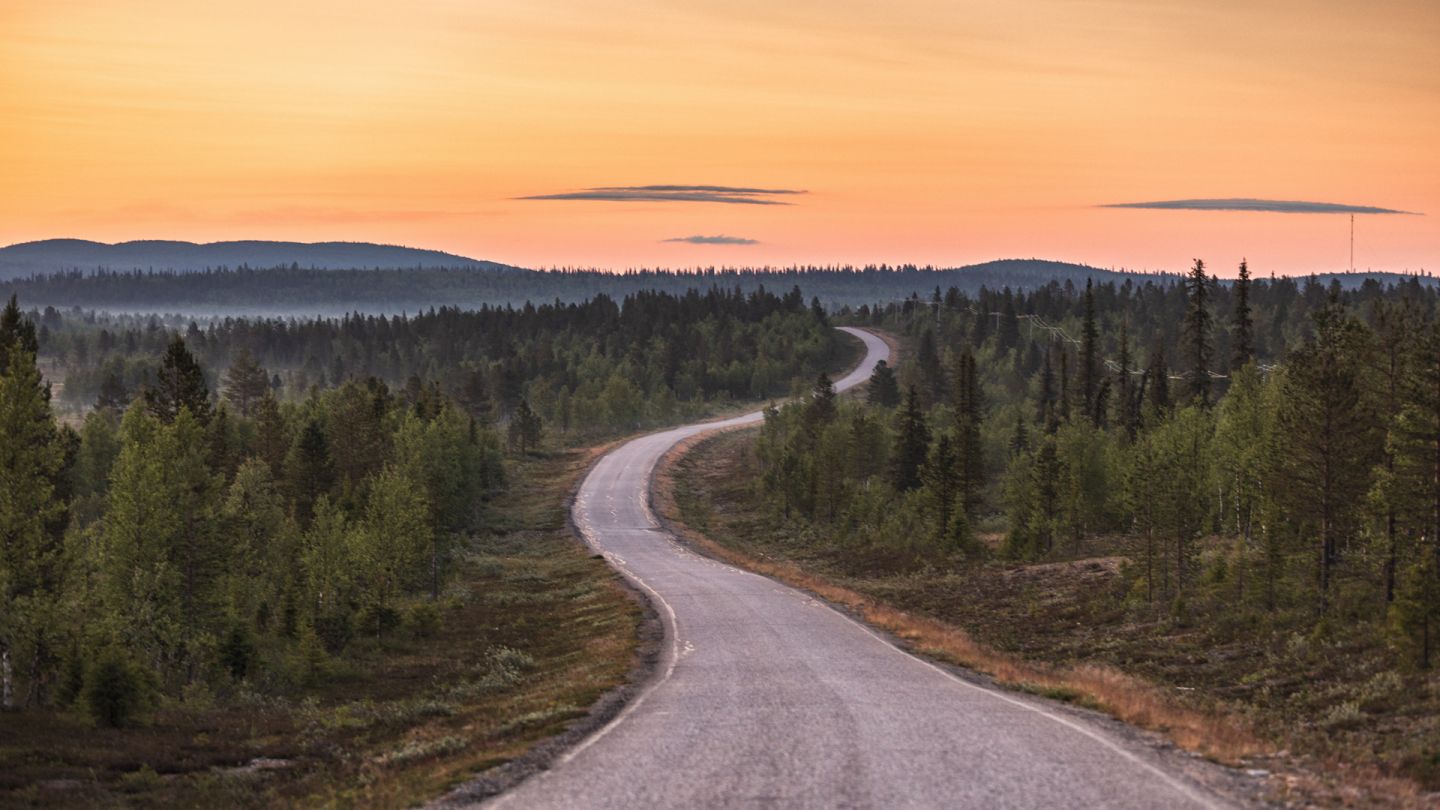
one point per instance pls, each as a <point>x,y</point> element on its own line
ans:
<point>424,620</point>
<point>115,689</point>
<point>237,651</point>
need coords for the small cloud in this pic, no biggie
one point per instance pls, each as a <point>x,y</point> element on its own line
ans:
<point>714,240</point>
<point>1274,206</point>
<point>717,189</point>
<point>734,195</point>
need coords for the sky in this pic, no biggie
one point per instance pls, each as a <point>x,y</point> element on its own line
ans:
<point>625,134</point>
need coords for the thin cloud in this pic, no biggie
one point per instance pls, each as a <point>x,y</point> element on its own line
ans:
<point>733,195</point>
<point>720,239</point>
<point>1274,206</point>
<point>718,189</point>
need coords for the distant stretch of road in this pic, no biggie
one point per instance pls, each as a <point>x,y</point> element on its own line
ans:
<point>767,697</point>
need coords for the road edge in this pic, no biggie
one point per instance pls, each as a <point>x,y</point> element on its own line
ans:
<point>492,782</point>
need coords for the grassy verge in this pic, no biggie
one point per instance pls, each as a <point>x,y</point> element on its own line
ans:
<point>534,631</point>
<point>1061,630</point>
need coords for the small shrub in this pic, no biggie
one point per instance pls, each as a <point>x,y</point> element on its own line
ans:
<point>72,680</point>
<point>142,780</point>
<point>420,749</point>
<point>237,651</point>
<point>424,620</point>
<point>335,629</point>
<point>377,619</point>
<point>1342,714</point>
<point>115,689</point>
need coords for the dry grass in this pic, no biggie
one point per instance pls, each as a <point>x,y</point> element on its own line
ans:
<point>1222,738</point>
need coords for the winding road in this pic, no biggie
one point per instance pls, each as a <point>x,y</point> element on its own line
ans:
<point>767,697</point>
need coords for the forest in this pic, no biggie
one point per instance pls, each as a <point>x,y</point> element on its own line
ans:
<point>233,509</point>
<point>295,289</point>
<point>1261,457</point>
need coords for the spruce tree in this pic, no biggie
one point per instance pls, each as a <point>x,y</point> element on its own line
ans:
<point>1157,384</point>
<point>1089,354</point>
<point>912,443</point>
<point>1007,336</point>
<point>941,478</point>
<point>1124,387</point>
<point>525,428</point>
<point>1198,325</point>
<point>1242,330</point>
<point>969,410</point>
<point>1045,404</point>
<point>883,391</point>
<point>180,383</point>
<point>16,330</point>
<point>927,359</point>
<point>820,407</point>
<point>309,469</point>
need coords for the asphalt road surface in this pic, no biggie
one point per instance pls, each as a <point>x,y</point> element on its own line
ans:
<point>766,697</point>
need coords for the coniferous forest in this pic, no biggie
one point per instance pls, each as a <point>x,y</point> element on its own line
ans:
<point>201,515</point>
<point>1235,485</point>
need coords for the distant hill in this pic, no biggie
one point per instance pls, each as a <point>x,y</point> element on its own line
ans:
<point>59,255</point>
<point>333,279</point>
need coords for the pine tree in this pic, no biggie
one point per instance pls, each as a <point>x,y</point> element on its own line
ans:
<point>394,539</point>
<point>912,443</point>
<point>1198,325</point>
<point>180,383</point>
<point>113,395</point>
<point>1242,330</point>
<point>883,391</point>
<point>246,383</point>
<point>1399,362</point>
<point>1328,436</point>
<point>272,441</point>
<point>31,458</point>
<point>140,583</point>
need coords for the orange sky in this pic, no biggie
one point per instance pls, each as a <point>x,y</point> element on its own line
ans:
<point>927,131</point>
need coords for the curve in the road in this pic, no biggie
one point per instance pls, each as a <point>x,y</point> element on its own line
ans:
<point>766,696</point>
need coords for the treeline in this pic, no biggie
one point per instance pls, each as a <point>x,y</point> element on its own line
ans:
<point>317,291</point>
<point>586,369</point>
<point>197,535</point>
<point>1268,448</point>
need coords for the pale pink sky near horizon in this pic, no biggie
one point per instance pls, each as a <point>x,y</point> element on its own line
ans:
<point>939,132</point>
